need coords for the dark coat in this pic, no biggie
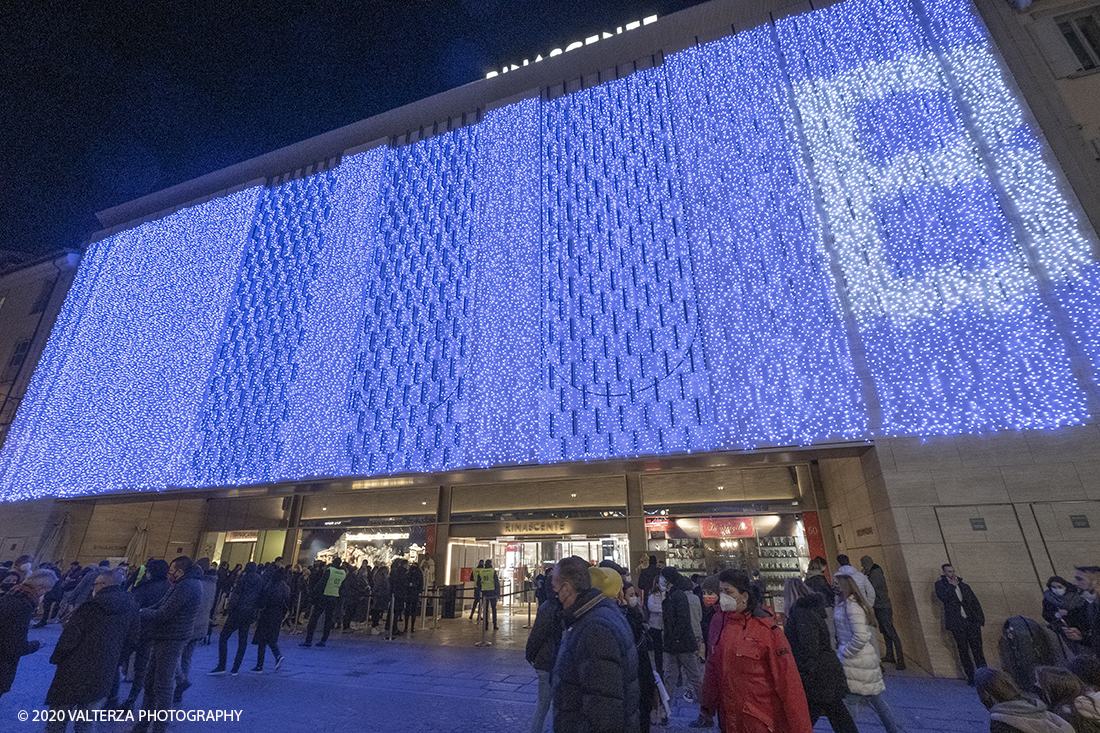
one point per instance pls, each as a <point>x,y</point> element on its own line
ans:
<point>818,584</point>
<point>245,597</point>
<point>595,678</point>
<point>545,636</point>
<point>679,634</point>
<point>878,582</point>
<point>952,608</point>
<point>16,610</point>
<point>174,616</point>
<point>90,647</point>
<point>150,590</point>
<point>818,665</point>
<point>1052,604</point>
<point>416,582</point>
<point>399,583</point>
<point>273,603</point>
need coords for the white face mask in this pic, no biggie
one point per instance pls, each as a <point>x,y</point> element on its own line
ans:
<point>727,602</point>
<point>634,601</point>
<point>662,584</point>
<point>1059,591</point>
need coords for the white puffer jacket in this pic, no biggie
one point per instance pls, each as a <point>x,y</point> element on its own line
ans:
<point>858,650</point>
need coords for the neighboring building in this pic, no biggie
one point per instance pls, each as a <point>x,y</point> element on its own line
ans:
<point>827,284</point>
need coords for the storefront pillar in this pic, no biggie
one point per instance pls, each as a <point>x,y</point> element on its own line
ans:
<point>635,521</point>
<point>293,534</point>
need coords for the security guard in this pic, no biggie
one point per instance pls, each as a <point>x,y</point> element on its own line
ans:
<point>325,602</point>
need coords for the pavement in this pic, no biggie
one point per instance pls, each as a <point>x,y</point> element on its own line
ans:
<point>434,680</point>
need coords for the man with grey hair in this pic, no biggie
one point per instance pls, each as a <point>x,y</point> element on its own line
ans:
<point>90,648</point>
<point>595,677</point>
<point>17,607</point>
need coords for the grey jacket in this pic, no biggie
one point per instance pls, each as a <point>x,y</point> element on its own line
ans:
<point>174,616</point>
<point>206,605</point>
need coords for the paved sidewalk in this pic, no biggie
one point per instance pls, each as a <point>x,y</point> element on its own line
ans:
<point>435,680</point>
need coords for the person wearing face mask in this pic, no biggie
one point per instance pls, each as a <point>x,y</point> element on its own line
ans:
<point>654,602</point>
<point>647,683</point>
<point>752,681</point>
<point>681,624</point>
<point>964,618</point>
<point>1083,622</point>
<point>1059,599</point>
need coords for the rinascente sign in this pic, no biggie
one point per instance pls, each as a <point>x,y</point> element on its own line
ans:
<point>547,526</point>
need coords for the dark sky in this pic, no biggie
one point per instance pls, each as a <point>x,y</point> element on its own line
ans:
<point>104,102</point>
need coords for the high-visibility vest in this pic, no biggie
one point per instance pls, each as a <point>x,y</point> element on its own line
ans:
<point>335,580</point>
<point>488,579</point>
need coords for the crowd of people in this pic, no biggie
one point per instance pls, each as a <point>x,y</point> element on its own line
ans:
<point>141,624</point>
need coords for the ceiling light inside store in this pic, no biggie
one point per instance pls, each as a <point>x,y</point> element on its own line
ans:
<point>721,488</point>
<point>381,483</point>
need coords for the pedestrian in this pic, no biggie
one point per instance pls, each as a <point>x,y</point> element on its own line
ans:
<point>169,624</point>
<point>817,581</point>
<point>542,651</point>
<point>380,597</point>
<point>681,646</point>
<point>273,604</point>
<point>647,683</point>
<point>821,671</point>
<point>595,677</point>
<point>647,578</point>
<point>17,608</point>
<point>201,626</point>
<point>1065,696</point>
<point>654,601</point>
<point>399,590</point>
<point>884,612</point>
<point>1059,599</point>
<point>1010,711</point>
<point>475,576</point>
<point>489,585</point>
<point>89,651</point>
<point>51,603</point>
<point>412,597</point>
<point>964,618</point>
<point>711,612</point>
<point>240,612</point>
<point>325,593</point>
<point>753,684</point>
<point>1083,621</point>
<point>865,588</point>
<point>858,652</point>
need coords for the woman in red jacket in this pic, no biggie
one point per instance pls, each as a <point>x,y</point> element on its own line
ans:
<point>752,680</point>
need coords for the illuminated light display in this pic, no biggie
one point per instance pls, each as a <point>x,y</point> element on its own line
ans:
<point>120,386</point>
<point>625,372</point>
<point>779,361</point>
<point>739,248</point>
<point>957,335</point>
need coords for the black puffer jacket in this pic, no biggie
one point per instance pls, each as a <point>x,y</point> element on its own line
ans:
<point>545,636</point>
<point>595,678</point>
<point>174,616</point>
<point>90,647</point>
<point>16,609</point>
<point>679,632</point>
<point>818,665</point>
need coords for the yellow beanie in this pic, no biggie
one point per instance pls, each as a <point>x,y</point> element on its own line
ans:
<point>607,581</point>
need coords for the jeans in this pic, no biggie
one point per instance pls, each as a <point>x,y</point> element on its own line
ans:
<point>854,702</point>
<point>141,662</point>
<point>546,696</point>
<point>885,618</point>
<point>489,599</point>
<point>236,622</point>
<point>263,648</point>
<point>837,713</point>
<point>327,606</point>
<point>79,726</point>
<point>689,664</point>
<point>160,680</point>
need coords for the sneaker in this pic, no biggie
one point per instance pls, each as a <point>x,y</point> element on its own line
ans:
<point>278,663</point>
<point>216,671</point>
<point>900,667</point>
<point>307,644</point>
<point>689,696</point>
<point>889,660</point>
<point>257,670</point>
<point>235,671</point>
<point>374,631</point>
<point>320,644</point>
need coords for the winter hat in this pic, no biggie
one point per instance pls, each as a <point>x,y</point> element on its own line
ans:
<point>607,581</point>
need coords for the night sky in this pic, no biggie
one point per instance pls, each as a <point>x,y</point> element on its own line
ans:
<point>104,102</point>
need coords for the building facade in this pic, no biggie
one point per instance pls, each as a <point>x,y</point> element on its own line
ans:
<point>741,286</point>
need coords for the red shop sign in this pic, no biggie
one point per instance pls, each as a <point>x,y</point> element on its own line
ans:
<point>728,527</point>
<point>512,546</point>
<point>656,524</point>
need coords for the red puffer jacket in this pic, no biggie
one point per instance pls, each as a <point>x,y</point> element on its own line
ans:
<point>752,681</point>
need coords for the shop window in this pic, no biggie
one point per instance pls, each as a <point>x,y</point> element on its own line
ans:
<point>43,299</point>
<point>17,359</point>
